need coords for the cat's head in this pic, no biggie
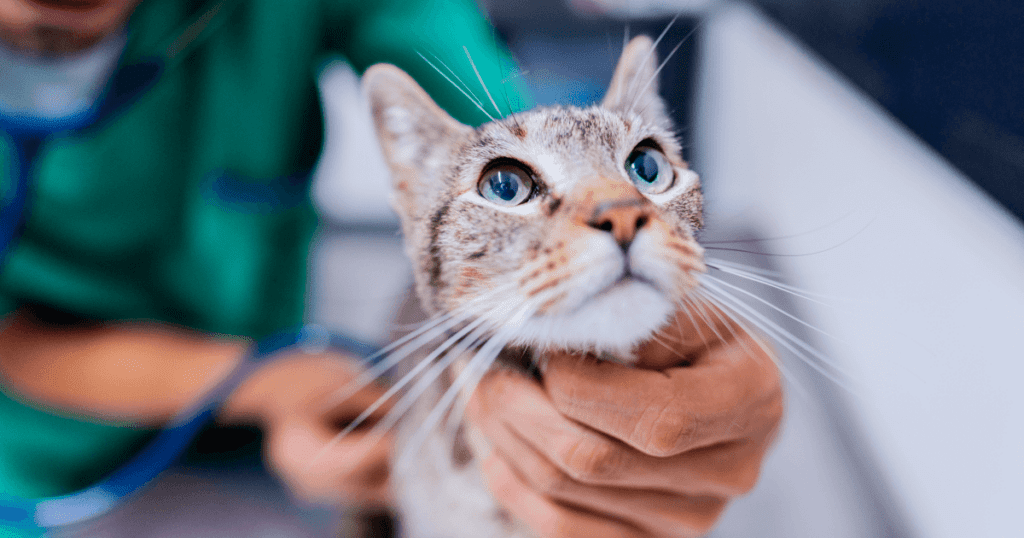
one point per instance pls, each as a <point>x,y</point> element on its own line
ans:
<point>575,226</point>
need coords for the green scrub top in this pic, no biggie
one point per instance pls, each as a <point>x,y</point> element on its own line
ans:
<point>191,206</point>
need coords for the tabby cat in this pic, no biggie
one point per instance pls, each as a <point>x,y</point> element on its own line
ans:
<point>560,227</point>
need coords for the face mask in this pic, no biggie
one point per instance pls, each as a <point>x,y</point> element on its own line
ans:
<point>45,90</point>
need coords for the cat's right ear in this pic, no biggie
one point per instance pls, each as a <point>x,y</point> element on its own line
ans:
<point>634,86</point>
<point>416,135</point>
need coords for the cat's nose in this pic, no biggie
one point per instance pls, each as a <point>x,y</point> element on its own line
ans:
<point>623,218</point>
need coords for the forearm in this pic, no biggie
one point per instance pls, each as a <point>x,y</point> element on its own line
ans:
<point>141,372</point>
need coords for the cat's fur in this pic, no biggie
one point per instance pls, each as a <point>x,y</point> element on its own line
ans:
<point>589,263</point>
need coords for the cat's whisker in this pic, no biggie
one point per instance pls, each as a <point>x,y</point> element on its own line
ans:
<point>781,336</point>
<point>769,305</point>
<point>739,319</point>
<point>661,66</point>
<point>710,246</point>
<point>782,237</point>
<point>662,343</point>
<point>409,343</point>
<point>746,273</point>
<point>649,57</point>
<point>408,377</point>
<point>728,324</point>
<point>753,269</point>
<point>421,337</point>
<point>474,370</point>
<point>767,282</point>
<point>471,99</point>
<point>706,317</point>
<point>471,375</point>
<point>465,86</point>
<point>481,79</point>
<point>504,90</point>
<point>455,418</point>
<point>686,310</point>
<point>462,340</point>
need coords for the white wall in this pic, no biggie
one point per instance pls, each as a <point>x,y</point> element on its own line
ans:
<point>926,273</point>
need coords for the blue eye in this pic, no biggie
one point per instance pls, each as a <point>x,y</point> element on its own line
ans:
<point>506,185</point>
<point>649,170</point>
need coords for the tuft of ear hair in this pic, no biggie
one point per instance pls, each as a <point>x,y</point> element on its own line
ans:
<point>634,86</point>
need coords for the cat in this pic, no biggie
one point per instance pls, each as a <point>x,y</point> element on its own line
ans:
<point>559,227</point>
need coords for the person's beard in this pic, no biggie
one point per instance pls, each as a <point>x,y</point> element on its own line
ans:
<point>50,41</point>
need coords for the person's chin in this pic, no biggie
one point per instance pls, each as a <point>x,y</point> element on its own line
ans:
<point>67,28</point>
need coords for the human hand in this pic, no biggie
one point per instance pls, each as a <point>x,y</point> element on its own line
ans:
<point>600,449</point>
<point>292,399</point>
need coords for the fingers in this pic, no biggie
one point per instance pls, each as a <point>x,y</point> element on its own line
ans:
<point>730,392</point>
<point>509,403</point>
<point>547,518</point>
<point>323,470</point>
<point>657,512</point>
<point>304,445</point>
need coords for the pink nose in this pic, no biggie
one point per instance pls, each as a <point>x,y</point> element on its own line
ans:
<point>622,218</point>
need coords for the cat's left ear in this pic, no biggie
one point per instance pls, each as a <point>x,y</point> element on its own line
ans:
<point>634,86</point>
<point>416,135</point>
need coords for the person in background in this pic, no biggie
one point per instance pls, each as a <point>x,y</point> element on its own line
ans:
<point>169,145</point>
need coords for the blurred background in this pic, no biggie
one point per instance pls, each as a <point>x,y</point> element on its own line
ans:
<point>868,151</point>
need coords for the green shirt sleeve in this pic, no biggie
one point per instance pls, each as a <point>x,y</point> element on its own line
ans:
<point>413,34</point>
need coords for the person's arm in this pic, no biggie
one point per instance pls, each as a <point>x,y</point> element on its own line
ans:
<point>600,449</point>
<point>135,372</point>
<point>146,372</point>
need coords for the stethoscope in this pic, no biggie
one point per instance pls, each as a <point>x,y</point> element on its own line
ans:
<point>126,85</point>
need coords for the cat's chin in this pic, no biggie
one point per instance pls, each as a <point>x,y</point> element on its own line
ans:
<point>611,322</point>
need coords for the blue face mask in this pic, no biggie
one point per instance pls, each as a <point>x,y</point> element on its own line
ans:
<point>54,94</point>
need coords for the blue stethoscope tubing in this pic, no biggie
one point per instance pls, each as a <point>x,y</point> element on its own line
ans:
<point>14,203</point>
<point>171,441</point>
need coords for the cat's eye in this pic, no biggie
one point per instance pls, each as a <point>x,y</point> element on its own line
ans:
<point>649,170</point>
<point>506,185</point>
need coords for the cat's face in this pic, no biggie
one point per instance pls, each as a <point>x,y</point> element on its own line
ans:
<point>572,226</point>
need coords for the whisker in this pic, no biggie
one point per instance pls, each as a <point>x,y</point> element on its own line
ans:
<point>425,335</point>
<point>793,255</point>
<point>700,331</point>
<point>738,318</point>
<point>782,237</point>
<point>405,402</point>
<point>504,91</point>
<point>770,305</point>
<point>663,63</point>
<point>478,105</point>
<point>766,282</point>
<point>753,269</point>
<point>465,86</point>
<point>408,377</point>
<point>419,338</point>
<point>481,79</point>
<point>479,363</point>
<point>650,55</point>
<point>663,344</point>
<point>784,337</point>
<point>707,319</point>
